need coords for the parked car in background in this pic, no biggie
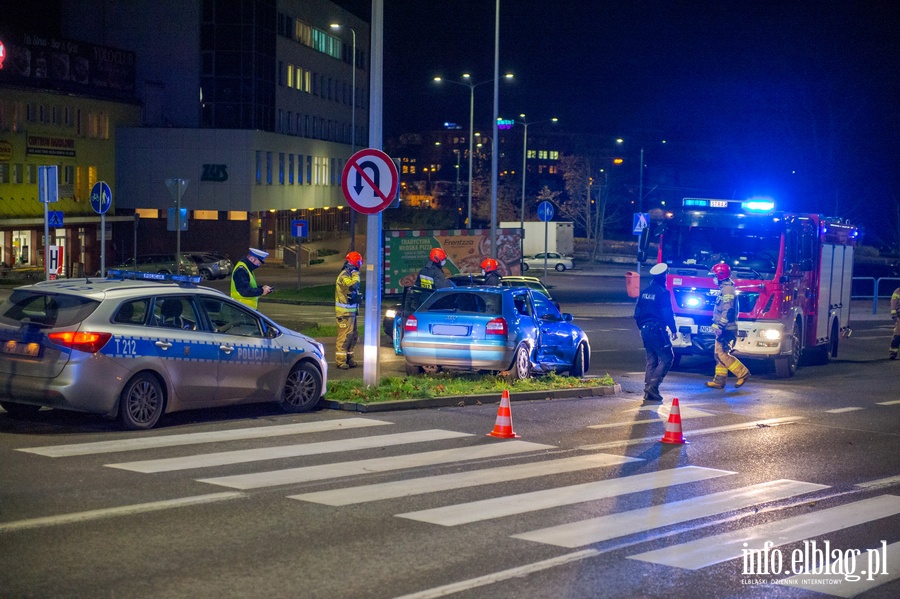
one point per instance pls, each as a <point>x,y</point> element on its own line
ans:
<point>226,264</point>
<point>136,349</point>
<point>209,266</point>
<point>164,264</point>
<point>555,261</point>
<point>512,330</point>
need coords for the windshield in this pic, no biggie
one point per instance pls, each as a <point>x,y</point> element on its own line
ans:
<point>702,242</point>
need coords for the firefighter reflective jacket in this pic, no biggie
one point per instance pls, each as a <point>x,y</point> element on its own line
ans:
<point>346,291</point>
<point>725,312</point>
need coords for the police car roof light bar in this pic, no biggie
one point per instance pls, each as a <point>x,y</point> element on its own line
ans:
<point>150,276</point>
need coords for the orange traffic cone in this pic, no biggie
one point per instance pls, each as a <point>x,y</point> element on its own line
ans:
<point>503,426</point>
<point>673,426</point>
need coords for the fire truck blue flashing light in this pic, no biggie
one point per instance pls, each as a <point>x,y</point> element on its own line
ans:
<point>758,205</point>
<point>692,301</point>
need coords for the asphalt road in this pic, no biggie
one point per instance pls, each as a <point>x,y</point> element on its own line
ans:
<point>250,502</point>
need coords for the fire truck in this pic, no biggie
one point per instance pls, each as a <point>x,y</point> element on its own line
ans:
<point>792,273</point>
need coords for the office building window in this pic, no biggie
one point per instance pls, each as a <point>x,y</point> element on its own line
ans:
<point>269,168</point>
<point>299,169</point>
<point>258,167</point>
<point>281,168</point>
<point>18,174</point>
<point>290,169</point>
<point>309,170</point>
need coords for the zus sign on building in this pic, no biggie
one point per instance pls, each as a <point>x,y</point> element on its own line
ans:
<point>215,172</point>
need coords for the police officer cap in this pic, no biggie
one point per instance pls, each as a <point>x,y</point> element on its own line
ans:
<point>259,254</point>
<point>659,269</point>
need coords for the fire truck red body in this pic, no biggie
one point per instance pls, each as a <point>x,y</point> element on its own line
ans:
<point>792,273</point>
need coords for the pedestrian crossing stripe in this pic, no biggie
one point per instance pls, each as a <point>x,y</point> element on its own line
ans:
<point>661,414</point>
<point>498,507</point>
<point>716,549</point>
<point>258,480</point>
<point>604,528</point>
<point>243,456</point>
<point>156,442</point>
<point>460,480</point>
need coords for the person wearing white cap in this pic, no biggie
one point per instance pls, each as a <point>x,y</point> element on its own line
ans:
<point>653,315</point>
<point>243,282</point>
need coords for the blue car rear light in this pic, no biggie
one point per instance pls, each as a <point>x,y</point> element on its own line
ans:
<point>496,326</point>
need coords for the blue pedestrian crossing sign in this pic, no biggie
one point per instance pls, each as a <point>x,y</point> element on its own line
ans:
<point>101,197</point>
<point>55,219</point>
<point>641,222</point>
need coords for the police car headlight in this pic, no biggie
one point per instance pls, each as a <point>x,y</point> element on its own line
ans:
<point>770,334</point>
<point>390,313</point>
<point>692,301</point>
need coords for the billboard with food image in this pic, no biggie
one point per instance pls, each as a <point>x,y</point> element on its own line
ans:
<point>406,252</point>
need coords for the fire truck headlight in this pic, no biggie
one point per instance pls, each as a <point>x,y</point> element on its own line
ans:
<point>770,334</point>
<point>692,301</point>
<point>390,313</point>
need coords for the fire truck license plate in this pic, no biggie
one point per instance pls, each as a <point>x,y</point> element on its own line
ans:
<point>705,328</point>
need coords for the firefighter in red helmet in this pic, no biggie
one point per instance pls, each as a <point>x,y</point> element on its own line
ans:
<point>725,326</point>
<point>346,307</point>
<point>489,268</point>
<point>432,274</point>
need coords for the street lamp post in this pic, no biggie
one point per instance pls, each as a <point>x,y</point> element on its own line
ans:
<point>352,122</point>
<point>468,83</point>
<point>525,124</point>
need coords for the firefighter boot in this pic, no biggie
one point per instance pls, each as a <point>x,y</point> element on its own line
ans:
<point>718,381</point>
<point>651,393</point>
<point>351,362</point>
<point>895,348</point>
<point>740,371</point>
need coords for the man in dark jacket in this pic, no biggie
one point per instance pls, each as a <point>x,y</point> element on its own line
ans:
<point>653,315</point>
<point>432,274</point>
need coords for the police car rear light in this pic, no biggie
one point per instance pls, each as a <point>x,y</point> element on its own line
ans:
<point>82,341</point>
<point>496,327</point>
<point>411,324</point>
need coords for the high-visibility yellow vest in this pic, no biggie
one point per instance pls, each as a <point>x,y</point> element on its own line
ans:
<point>253,302</point>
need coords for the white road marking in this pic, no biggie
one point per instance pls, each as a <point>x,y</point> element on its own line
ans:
<point>844,410</point>
<point>135,444</point>
<point>125,510</point>
<point>698,432</point>
<point>342,469</point>
<point>495,577</point>
<point>889,571</point>
<point>603,528</point>
<point>661,413</point>
<point>460,480</point>
<point>881,482</point>
<point>285,451</point>
<point>888,403</point>
<point>707,551</point>
<point>498,507</point>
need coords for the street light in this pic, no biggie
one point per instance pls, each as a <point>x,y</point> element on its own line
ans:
<point>468,83</point>
<point>352,123</point>
<point>524,166</point>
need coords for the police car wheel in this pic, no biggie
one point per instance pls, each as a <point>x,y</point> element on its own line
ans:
<point>302,388</point>
<point>141,403</point>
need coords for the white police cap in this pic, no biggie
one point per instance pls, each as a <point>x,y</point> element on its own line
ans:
<point>259,254</point>
<point>659,269</point>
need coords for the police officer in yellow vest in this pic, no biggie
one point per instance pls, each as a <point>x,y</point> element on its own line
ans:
<point>243,283</point>
<point>346,306</point>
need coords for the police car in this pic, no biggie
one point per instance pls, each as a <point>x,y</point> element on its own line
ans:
<point>138,345</point>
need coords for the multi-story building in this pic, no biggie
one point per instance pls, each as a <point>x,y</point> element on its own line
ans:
<point>251,102</point>
<point>62,103</point>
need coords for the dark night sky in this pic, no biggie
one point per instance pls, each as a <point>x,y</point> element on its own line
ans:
<point>800,97</point>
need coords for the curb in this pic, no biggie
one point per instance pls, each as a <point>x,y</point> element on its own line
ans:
<point>458,401</point>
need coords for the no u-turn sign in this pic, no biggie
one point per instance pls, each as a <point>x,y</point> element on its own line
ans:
<point>369,181</point>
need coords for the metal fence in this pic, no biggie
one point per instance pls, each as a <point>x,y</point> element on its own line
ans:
<point>870,287</point>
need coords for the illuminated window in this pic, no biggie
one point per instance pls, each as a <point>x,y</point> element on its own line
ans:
<point>554,155</point>
<point>92,176</point>
<point>281,168</point>
<point>299,169</point>
<point>532,153</point>
<point>269,168</point>
<point>542,154</point>
<point>237,215</point>
<point>258,167</point>
<point>290,75</point>
<point>290,169</point>
<point>206,214</point>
